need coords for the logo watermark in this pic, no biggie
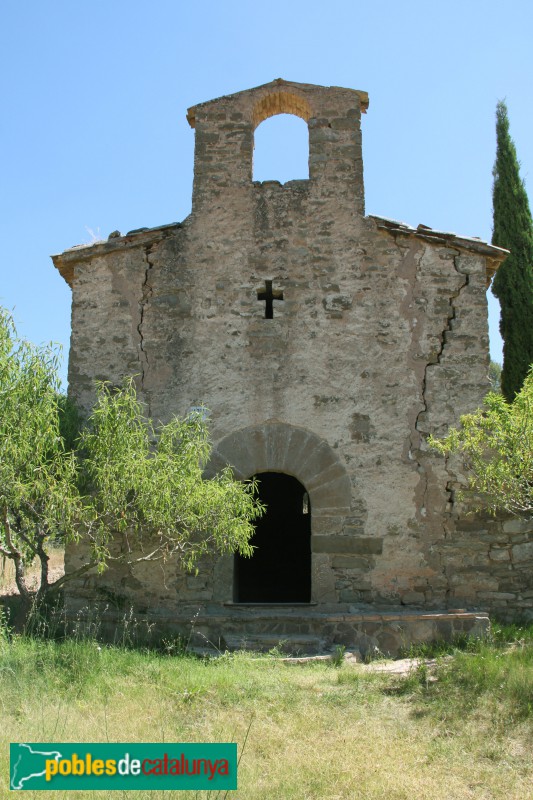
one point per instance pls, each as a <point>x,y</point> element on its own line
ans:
<point>122,766</point>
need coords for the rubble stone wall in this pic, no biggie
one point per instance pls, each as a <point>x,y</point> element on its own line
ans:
<point>380,338</point>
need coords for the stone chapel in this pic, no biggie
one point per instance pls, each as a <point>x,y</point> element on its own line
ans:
<point>327,345</point>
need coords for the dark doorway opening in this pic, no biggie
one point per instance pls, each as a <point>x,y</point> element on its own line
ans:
<point>280,569</point>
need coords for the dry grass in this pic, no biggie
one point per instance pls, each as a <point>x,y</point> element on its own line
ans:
<point>316,732</point>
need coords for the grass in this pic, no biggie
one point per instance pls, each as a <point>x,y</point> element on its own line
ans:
<point>315,730</point>
<point>501,676</point>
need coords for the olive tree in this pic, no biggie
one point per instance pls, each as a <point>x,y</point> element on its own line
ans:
<point>496,446</point>
<point>114,477</point>
<point>39,496</point>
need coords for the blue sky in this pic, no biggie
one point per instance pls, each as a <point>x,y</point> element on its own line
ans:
<point>93,135</point>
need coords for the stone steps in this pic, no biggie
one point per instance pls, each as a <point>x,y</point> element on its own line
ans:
<point>290,644</point>
<point>309,631</point>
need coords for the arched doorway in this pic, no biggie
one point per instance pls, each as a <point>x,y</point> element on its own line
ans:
<point>280,569</point>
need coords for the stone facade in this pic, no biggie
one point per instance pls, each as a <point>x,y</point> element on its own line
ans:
<point>375,335</point>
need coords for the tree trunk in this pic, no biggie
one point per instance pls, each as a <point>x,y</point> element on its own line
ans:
<point>12,552</point>
<point>44,559</point>
<point>20,611</point>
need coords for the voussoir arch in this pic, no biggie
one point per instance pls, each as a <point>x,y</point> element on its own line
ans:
<point>280,447</point>
<point>281,102</point>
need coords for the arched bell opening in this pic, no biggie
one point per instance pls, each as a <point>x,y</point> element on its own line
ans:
<point>280,569</point>
<point>281,149</point>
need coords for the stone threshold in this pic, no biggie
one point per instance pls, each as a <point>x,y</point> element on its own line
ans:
<point>315,611</point>
<point>236,604</point>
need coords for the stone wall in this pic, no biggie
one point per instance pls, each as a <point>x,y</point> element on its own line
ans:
<point>380,338</point>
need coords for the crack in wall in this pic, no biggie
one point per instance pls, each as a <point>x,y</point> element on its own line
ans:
<point>447,329</point>
<point>436,359</point>
<point>408,268</point>
<point>452,315</point>
<point>146,294</point>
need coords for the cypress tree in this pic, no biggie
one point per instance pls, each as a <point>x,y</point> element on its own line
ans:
<point>513,283</point>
